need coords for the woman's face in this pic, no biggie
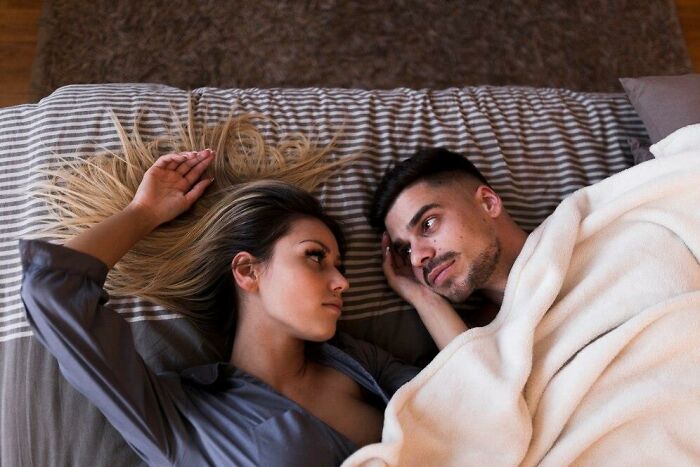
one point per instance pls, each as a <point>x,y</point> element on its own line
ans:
<point>301,285</point>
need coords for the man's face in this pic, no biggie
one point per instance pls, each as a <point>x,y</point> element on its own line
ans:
<point>446,231</point>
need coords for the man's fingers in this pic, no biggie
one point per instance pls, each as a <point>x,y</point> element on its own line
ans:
<point>386,249</point>
<point>388,268</point>
<point>388,263</point>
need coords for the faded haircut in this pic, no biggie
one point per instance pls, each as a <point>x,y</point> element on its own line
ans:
<point>431,164</point>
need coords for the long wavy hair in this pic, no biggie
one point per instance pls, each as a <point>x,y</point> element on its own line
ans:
<point>259,189</point>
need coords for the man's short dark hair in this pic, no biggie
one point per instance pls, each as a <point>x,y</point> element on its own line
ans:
<point>426,164</point>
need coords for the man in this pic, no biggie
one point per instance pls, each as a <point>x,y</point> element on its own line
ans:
<point>447,235</point>
<point>593,357</point>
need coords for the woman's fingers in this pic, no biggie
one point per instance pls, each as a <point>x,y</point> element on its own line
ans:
<point>190,161</point>
<point>197,190</point>
<point>189,165</point>
<point>170,161</point>
<point>176,164</point>
<point>201,163</point>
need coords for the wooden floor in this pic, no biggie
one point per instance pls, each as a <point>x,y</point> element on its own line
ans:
<point>18,31</point>
<point>18,35</point>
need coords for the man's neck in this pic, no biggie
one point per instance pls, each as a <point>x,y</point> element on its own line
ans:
<point>494,296</point>
<point>511,246</point>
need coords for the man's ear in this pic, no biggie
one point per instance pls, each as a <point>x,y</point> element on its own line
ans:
<point>245,272</point>
<point>489,201</point>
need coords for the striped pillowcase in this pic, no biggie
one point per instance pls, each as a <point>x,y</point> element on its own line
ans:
<point>536,146</point>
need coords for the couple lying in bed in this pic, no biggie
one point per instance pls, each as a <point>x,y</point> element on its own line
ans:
<point>233,236</point>
<point>259,248</point>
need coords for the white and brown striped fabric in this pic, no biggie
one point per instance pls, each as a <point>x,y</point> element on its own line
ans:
<point>535,146</point>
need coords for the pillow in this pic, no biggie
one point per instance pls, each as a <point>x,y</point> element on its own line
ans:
<point>665,103</point>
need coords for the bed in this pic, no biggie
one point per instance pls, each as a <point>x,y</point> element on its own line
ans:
<point>537,146</point>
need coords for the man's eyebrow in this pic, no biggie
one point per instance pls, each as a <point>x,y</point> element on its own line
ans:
<point>416,217</point>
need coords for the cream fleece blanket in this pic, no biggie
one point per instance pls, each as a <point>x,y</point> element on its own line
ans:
<point>594,358</point>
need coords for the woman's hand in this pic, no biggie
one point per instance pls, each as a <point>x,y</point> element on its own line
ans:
<point>167,190</point>
<point>172,185</point>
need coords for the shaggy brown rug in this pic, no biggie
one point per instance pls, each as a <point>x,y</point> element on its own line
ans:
<point>577,44</point>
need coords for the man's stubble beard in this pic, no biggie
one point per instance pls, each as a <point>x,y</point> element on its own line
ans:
<point>478,275</point>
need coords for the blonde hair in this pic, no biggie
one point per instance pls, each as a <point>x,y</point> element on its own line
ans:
<point>184,265</point>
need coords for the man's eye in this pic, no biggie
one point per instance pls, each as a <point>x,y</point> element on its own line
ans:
<point>405,251</point>
<point>428,224</point>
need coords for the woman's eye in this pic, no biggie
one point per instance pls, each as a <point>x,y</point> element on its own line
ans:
<point>316,256</point>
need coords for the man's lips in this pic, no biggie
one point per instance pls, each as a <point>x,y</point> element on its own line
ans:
<point>437,270</point>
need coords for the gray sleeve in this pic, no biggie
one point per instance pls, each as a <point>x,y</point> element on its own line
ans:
<point>390,372</point>
<point>63,294</point>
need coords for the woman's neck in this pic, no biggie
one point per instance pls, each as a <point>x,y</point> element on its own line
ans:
<point>264,350</point>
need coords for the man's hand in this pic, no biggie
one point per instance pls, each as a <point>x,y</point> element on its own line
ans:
<point>171,185</point>
<point>399,275</point>
<point>437,314</point>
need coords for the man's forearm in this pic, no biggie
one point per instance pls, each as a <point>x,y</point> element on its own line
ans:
<point>110,239</point>
<point>440,318</point>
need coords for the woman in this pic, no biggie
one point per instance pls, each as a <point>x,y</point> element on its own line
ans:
<point>285,397</point>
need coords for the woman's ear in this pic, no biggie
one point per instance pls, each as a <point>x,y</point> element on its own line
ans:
<point>490,201</point>
<point>245,273</point>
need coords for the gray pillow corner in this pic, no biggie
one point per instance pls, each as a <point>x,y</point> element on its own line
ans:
<point>664,103</point>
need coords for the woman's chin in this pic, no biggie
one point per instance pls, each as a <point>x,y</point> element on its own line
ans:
<point>322,335</point>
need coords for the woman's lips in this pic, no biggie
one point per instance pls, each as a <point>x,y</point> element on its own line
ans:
<point>336,307</point>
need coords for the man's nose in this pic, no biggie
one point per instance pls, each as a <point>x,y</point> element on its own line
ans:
<point>420,253</point>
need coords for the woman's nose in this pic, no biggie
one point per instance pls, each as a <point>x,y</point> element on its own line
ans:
<point>340,284</point>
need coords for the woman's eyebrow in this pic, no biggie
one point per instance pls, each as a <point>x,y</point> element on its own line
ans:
<point>318,242</point>
<point>321,244</point>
